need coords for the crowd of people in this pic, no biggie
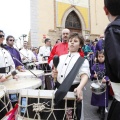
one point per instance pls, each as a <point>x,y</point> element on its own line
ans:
<point>97,60</point>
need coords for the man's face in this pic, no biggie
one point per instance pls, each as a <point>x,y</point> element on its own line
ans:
<point>48,43</point>
<point>10,41</point>
<point>25,45</point>
<point>65,35</point>
<point>1,37</point>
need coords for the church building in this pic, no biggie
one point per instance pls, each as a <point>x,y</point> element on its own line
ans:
<point>49,17</point>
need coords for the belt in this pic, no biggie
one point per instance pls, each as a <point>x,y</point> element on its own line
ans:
<point>5,69</point>
<point>57,84</point>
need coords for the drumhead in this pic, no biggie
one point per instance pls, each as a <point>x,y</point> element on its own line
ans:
<point>2,91</point>
<point>37,63</point>
<point>14,86</point>
<point>95,85</point>
<point>27,73</point>
<point>44,94</point>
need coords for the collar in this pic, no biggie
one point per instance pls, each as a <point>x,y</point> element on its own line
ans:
<point>73,54</point>
<point>114,22</point>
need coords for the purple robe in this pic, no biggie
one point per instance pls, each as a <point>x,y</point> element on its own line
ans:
<point>99,100</point>
<point>99,45</point>
<point>93,48</point>
<point>16,54</point>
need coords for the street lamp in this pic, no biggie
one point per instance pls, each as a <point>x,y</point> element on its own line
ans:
<point>24,36</point>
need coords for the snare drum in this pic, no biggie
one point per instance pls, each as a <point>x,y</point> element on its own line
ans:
<point>33,65</point>
<point>25,80</point>
<point>98,87</point>
<point>39,104</point>
<point>5,104</point>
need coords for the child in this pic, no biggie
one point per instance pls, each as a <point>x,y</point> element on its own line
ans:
<point>66,64</point>
<point>112,48</point>
<point>98,72</point>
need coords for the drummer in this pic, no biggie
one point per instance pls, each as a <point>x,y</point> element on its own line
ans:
<point>66,64</point>
<point>27,55</point>
<point>14,53</point>
<point>98,72</point>
<point>44,51</point>
<point>6,63</point>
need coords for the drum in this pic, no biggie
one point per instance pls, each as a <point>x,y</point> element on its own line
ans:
<point>25,80</point>
<point>98,87</point>
<point>5,104</point>
<point>44,66</point>
<point>39,105</point>
<point>33,65</point>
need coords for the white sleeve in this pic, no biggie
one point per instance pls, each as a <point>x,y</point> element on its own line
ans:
<point>21,52</point>
<point>33,56</point>
<point>11,63</point>
<point>85,69</point>
<point>40,51</point>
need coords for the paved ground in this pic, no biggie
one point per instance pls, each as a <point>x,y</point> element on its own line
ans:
<point>90,112</point>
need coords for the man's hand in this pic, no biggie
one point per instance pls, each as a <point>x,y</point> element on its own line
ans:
<point>54,73</point>
<point>2,79</point>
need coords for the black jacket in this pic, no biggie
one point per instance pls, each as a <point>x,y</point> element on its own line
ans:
<point>112,50</point>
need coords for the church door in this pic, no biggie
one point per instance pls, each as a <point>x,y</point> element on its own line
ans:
<point>73,22</point>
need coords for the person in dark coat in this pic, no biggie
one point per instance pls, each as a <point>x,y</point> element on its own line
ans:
<point>112,48</point>
<point>98,72</point>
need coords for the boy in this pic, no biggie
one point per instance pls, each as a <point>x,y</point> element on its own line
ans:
<point>66,64</point>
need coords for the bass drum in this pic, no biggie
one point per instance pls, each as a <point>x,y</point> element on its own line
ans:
<point>5,104</point>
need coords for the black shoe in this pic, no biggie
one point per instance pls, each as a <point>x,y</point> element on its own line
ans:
<point>98,110</point>
<point>110,97</point>
<point>102,113</point>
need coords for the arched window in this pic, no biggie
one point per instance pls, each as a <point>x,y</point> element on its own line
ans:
<point>72,21</point>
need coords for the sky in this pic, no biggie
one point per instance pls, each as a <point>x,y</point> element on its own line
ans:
<point>15,17</point>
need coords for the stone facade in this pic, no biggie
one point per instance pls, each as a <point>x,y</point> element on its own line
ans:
<point>48,18</point>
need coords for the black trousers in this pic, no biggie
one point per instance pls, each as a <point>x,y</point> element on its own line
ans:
<point>114,112</point>
<point>61,104</point>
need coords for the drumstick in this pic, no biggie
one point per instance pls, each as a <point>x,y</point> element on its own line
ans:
<point>12,74</point>
<point>97,79</point>
<point>25,66</point>
<point>55,62</point>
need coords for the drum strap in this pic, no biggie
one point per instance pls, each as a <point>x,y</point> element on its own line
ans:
<point>66,84</point>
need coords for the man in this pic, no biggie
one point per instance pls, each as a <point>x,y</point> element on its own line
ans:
<point>100,43</point>
<point>45,50</point>
<point>6,62</point>
<point>26,54</point>
<point>14,53</point>
<point>112,54</point>
<point>61,48</point>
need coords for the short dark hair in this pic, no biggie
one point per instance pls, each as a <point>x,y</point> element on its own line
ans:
<point>9,36</point>
<point>77,35</point>
<point>97,54</point>
<point>1,31</point>
<point>46,40</point>
<point>113,6</point>
<point>87,40</point>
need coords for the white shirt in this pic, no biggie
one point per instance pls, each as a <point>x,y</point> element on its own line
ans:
<point>116,90</point>
<point>66,64</point>
<point>6,60</point>
<point>44,50</point>
<point>27,53</point>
